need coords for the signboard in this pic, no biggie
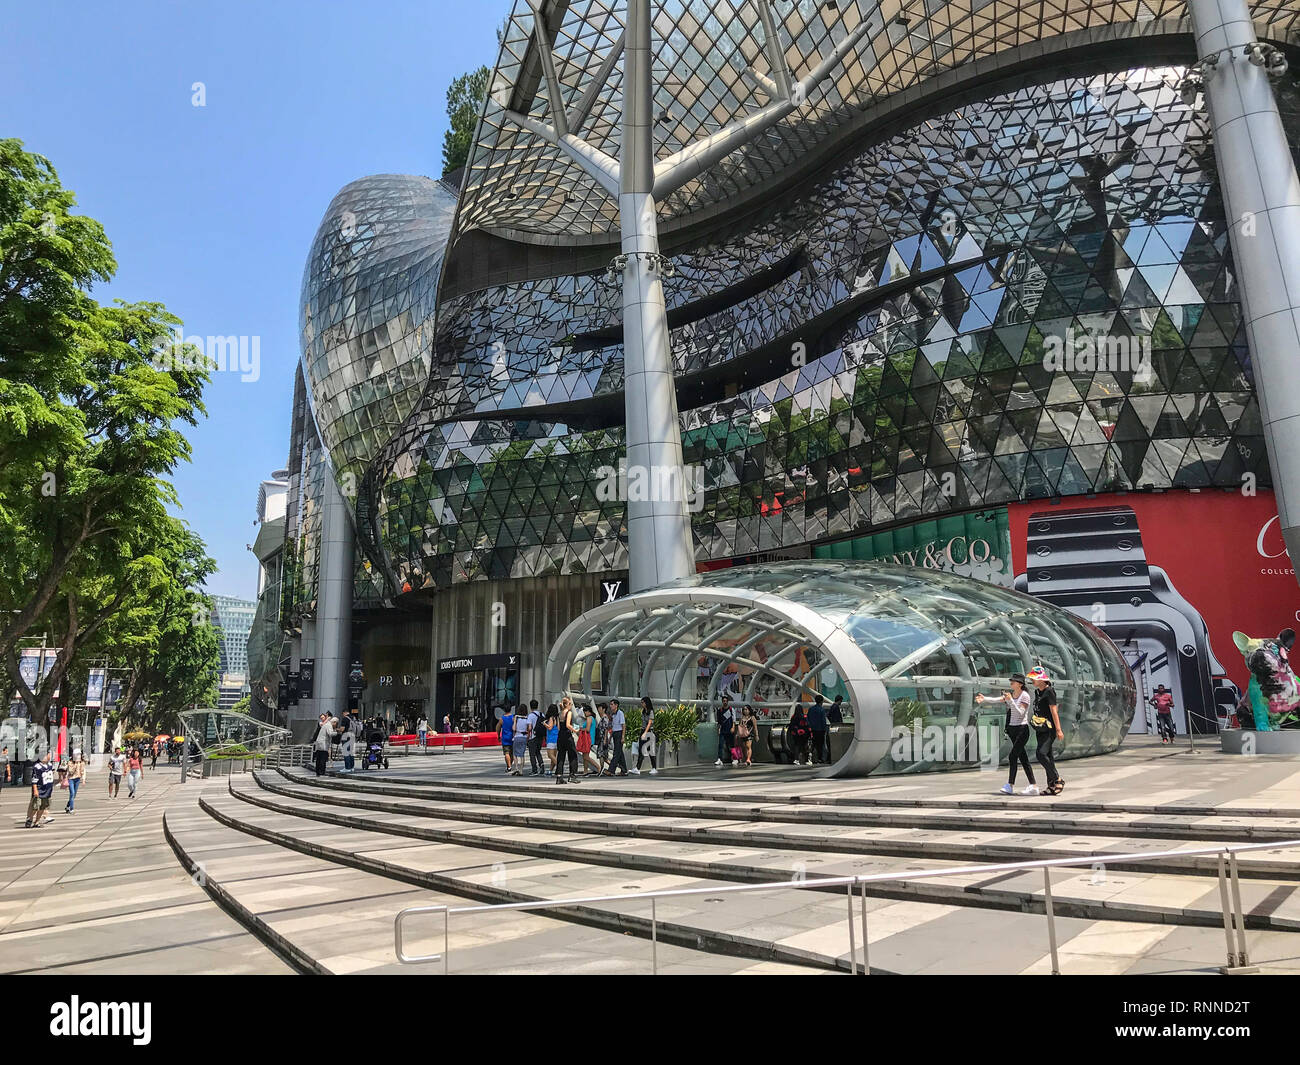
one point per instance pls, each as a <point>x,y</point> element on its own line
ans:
<point>613,589</point>
<point>467,663</point>
<point>95,687</point>
<point>291,692</point>
<point>114,693</point>
<point>306,678</point>
<point>356,680</point>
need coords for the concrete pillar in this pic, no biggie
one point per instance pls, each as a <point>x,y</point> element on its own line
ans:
<point>1262,200</point>
<point>334,603</point>
<point>660,543</point>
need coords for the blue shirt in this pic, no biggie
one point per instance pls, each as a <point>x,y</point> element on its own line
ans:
<point>507,729</point>
<point>817,718</point>
<point>43,778</point>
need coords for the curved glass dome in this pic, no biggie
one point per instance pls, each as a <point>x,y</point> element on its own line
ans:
<point>908,649</point>
<point>368,296</point>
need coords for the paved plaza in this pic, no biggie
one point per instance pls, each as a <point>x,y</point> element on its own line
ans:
<point>284,872</point>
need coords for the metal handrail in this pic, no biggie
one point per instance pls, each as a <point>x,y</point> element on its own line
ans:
<point>1234,923</point>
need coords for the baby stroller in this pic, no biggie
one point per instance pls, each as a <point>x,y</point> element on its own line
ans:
<point>375,757</point>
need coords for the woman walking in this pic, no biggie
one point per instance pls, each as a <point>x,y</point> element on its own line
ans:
<point>648,744</point>
<point>76,774</point>
<point>798,734</point>
<point>133,773</point>
<point>746,731</point>
<point>552,733</point>
<point>587,743</point>
<point>1018,702</point>
<point>521,740</point>
<point>566,742</point>
<point>1046,721</point>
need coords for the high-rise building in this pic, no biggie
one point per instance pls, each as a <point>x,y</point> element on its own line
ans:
<point>972,304</point>
<point>233,618</point>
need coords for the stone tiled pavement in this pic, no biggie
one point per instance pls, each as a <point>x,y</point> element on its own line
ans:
<point>320,869</point>
<point>100,890</point>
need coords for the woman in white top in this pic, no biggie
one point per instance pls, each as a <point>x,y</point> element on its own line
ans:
<point>1019,703</point>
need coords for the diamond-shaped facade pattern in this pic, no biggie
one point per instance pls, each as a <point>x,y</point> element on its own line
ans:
<point>709,55</point>
<point>911,297</point>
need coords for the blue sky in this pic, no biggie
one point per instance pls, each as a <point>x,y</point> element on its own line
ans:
<point>211,209</point>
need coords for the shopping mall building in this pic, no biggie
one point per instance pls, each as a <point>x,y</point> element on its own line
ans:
<point>969,304</point>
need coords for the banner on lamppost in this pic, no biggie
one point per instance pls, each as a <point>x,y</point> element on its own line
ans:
<point>95,687</point>
<point>48,657</point>
<point>29,666</point>
<point>113,694</point>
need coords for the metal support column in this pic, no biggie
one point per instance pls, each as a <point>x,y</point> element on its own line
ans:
<point>660,543</point>
<point>334,616</point>
<point>1261,197</point>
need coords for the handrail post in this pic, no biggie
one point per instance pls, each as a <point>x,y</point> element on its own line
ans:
<point>853,946</point>
<point>866,964</point>
<point>446,940</point>
<point>1227,911</point>
<point>1051,919</point>
<point>1243,959</point>
<point>654,937</point>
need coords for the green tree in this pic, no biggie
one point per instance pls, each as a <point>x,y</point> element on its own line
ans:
<point>465,98</point>
<point>90,413</point>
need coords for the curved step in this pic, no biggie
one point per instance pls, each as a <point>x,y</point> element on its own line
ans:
<point>813,792</point>
<point>1109,894</point>
<point>325,917</point>
<point>755,828</point>
<point>479,882</point>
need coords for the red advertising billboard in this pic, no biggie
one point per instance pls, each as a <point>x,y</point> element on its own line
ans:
<point>1168,576</point>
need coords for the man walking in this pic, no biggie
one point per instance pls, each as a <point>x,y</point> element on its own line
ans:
<point>817,722</point>
<point>38,807</point>
<point>116,766</point>
<point>536,737</point>
<point>617,723</point>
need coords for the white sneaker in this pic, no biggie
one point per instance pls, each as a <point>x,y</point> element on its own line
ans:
<point>1031,790</point>
<point>654,772</point>
<point>635,772</point>
<point>1007,789</point>
<point>809,762</point>
<point>718,763</point>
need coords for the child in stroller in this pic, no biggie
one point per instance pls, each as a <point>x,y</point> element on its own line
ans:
<point>375,757</point>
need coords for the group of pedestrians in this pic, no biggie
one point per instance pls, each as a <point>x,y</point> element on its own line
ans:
<point>807,734</point>
<point>1041,713</point>
<point>566,734</point>
<point>46,776</point>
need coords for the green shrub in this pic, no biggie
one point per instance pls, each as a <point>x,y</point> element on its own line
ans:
<point>673,725</point>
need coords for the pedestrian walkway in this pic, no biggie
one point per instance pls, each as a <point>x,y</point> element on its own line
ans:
<point>101,891</point>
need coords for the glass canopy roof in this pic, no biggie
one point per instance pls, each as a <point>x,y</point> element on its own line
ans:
<point>904,647</point>
<point>712,67</point>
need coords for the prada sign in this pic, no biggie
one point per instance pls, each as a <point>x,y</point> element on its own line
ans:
<point>469,663</point>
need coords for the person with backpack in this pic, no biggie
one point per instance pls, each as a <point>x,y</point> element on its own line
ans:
<point>1163,701</point>
<point>726,727</point>
<point>536,740</point>
<point>1046,722</point>
<point>320,748</point>
<point>799,733</point>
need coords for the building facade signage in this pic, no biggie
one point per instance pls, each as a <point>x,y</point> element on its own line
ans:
<point>473,662</point>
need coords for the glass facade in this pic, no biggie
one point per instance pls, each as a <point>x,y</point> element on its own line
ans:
<point>867,349</point>
<point>912,646</point>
